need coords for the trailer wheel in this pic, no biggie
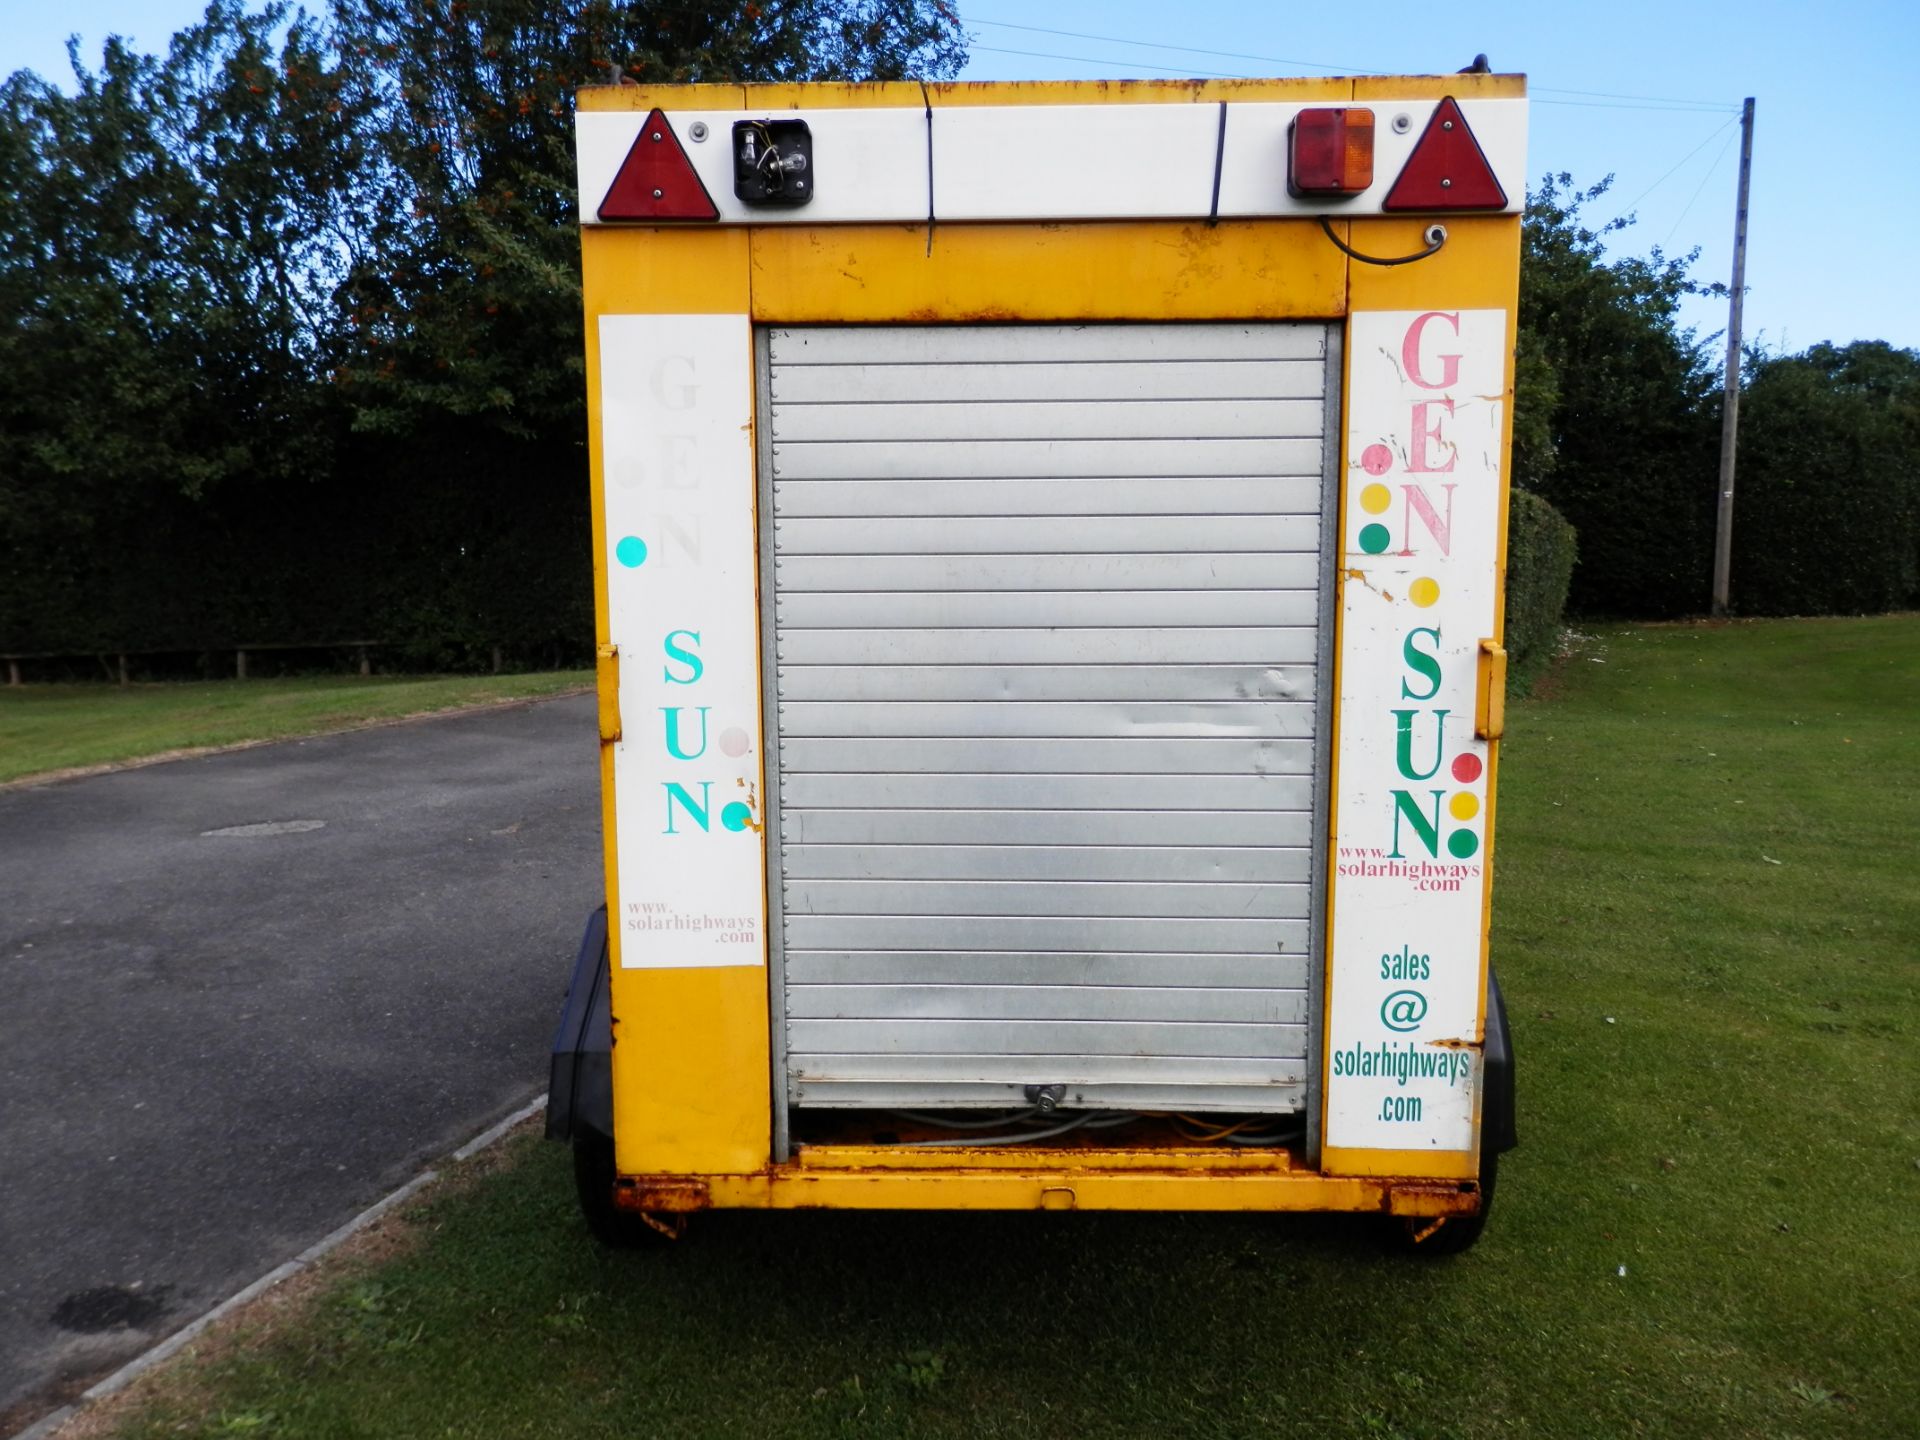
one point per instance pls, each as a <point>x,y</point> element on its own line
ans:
<point>1455,1235</point>
<point>593,1174</point>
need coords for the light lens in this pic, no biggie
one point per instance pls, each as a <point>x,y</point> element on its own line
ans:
<point>1331,152</point>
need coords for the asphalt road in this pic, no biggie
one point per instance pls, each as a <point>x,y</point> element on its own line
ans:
<point>217,1047</point>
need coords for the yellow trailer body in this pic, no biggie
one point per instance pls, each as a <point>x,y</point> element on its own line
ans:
<point>1049,552</point>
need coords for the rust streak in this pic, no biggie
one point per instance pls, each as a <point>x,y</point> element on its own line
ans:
<point>982,314</point>
<point>661,1194</point>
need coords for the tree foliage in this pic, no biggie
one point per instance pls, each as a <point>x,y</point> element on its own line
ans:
<point>1617,422</point>
<point>294,311</point>
<point>1541,550</point>
<point>1613,420</point>
<point>169,234</point>
<point>478,251</point>
<point>290,340</point>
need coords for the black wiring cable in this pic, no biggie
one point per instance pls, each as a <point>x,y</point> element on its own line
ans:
<point>1020,1139</point>
<point>1267,1137</point>
<point>767,167</point>
<point>1348,250</point>
<point>1219,156</point>
<point>1044,1129</point>
<point>927,101</point>
<point>941,1122</point>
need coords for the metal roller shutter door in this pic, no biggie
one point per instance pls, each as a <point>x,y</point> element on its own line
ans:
<point>1045,663</point>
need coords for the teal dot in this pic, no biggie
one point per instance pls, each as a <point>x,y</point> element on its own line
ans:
<point>1462,843</point>
<point>736,816</point>
<point>632,552</point>
<point>1374,538</point>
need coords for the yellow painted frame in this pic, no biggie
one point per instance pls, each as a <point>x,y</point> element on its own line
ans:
<point>692,1054</point>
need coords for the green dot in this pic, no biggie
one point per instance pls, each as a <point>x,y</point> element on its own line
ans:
<point>736,816</point>
<point>1374,538</point>
<point>1463,843</point>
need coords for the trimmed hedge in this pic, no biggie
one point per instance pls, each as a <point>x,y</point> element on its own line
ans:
<point>1827,515</point>
<point>440,556</point>
<point>1541,549</point>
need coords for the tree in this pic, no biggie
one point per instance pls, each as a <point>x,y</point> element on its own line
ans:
<point>294,311</point>
<point>170,235</point>
<point>1613,423</point>
<point>471,307</point>
<point>466,361</point>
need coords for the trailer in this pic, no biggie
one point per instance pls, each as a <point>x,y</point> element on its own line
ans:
<point>1049,545</point>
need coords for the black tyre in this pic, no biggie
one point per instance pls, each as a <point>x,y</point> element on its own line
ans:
<point>1456,1234</point>
<point>593,1181</point>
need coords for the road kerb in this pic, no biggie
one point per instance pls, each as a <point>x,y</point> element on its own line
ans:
<point>159,1354</point>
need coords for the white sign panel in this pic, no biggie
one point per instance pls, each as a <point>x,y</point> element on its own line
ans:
<point>676,406</point>
<point>1425,403</point>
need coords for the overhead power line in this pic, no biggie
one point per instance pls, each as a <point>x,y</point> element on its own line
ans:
<point>1711,169</point>
<point>1688,109</point>
<point>1682,161</point>
<point>1654,99</point>
<point>1097,60</point>
<point>1590,99</point>
<point>1184,49</point>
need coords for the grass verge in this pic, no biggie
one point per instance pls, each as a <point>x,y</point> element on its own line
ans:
<point>1706,930</point>
<point>45,728</point>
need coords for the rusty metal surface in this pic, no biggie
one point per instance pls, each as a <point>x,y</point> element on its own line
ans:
<point>661,1194</point>
<point>1085,1186</point>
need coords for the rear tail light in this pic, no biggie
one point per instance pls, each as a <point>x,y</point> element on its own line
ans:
<point>1330,152</point>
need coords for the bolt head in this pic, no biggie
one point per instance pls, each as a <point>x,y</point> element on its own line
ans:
<point>658,194</point>
<point>1444,125</point>
<point>1446,184</point>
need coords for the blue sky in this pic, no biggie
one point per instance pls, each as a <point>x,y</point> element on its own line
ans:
<point>1647,92</point>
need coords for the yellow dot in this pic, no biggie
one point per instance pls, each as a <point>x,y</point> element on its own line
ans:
<point>1375,498</point>
<point>1464,806</point>
<point>1423,592</point>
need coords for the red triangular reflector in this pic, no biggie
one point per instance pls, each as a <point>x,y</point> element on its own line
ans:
<point>657,181</point>
<point>1447,169</point>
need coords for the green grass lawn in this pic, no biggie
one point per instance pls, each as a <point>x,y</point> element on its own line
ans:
<point>1708,922</point>
<point>57,727</point>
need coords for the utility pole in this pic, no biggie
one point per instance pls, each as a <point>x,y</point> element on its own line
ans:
<point>1730,410</point>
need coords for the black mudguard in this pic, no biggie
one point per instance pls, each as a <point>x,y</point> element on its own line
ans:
<point>580,1083</point>
<point>1497,1133</point>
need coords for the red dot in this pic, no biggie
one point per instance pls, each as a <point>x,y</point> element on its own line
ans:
<point>1375,459</point>
<point>1466,768</point>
